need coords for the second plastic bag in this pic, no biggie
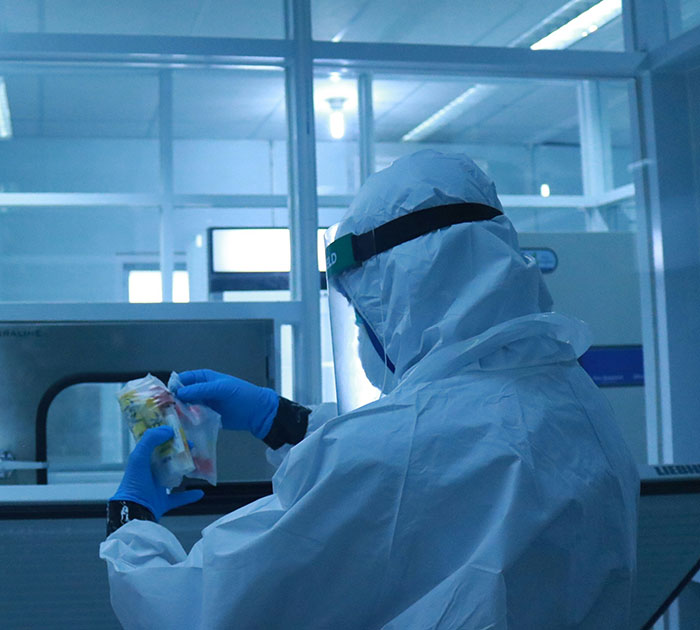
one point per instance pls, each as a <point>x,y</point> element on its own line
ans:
<point>147,403</point>
<point>201,425</point>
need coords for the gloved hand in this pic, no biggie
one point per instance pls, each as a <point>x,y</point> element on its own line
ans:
<point>241,405</point>
<point>139,485</point>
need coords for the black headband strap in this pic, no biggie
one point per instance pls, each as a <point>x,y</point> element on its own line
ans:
<point>351,250</point>
<point>415,224</point>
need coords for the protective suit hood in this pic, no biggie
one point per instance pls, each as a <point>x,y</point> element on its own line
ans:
<point>447,286</point>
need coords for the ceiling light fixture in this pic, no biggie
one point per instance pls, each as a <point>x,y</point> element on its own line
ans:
<point>581,26</point>
<point>5,120</point>
<point>586,22</point>
<point>337,118</point>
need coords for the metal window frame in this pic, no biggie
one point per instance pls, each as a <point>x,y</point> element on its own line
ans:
<point>299,55</point>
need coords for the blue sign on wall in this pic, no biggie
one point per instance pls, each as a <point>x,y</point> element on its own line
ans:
<point>545,258</point>
<point>614,366</point>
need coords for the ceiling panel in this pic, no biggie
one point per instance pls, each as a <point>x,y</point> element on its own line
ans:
<point>100,98</point>
<point>228,104</point>
<point>79,103</point>
<point>518,114</point>
<point>250,104</point>
<point>475,23</point>
<point>512,112</point>
<point>401,105</point>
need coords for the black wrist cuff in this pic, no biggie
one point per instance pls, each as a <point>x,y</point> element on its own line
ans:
<point>289,425</point>
<point>121,512</point>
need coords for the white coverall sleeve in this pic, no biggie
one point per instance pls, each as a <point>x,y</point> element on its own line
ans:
<point>138,556</point>
<point>155,584</point>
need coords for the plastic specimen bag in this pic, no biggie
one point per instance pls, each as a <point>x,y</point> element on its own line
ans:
<point>202,425</point>
<point>146,403</point>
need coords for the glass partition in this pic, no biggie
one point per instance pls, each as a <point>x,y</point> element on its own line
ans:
<point>74,254</point>
<point>97,156</point>
<point>616,117</point>
<point>689,15</point>
<point>337,133</point>
<point>193,18</point>
<point>229,131</point>
<point>85,434</point>
<point>522,133</point>
<point>78,129</point>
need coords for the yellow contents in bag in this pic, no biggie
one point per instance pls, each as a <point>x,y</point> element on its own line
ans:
<point>146,403</point>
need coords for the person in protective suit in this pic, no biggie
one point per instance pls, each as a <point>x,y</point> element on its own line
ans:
<point>474,478</point>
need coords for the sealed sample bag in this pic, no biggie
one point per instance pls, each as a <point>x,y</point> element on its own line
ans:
<point>146,403</point>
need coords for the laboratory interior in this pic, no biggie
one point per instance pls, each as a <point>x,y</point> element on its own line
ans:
<point>169,167</point>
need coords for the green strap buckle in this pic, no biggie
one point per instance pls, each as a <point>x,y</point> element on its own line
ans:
<point>340,256</point>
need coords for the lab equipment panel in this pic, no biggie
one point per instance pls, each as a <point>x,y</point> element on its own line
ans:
<point>41,362</point>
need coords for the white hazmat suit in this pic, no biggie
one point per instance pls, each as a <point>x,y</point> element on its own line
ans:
<point>489,488</point>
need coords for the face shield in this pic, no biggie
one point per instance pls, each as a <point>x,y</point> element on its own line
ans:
<point>363,369</point>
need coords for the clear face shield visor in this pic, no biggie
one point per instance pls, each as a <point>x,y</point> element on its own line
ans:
<point>363,370</point>
<point>359,370</point>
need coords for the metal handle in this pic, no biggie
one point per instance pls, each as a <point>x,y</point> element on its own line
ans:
<point>13,465</point>
<point>8,464</point>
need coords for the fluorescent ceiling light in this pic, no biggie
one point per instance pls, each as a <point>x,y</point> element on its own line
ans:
<point>581,26</point>
<point>452,110</point>
<point>5,120</point>
<point>575,29</point>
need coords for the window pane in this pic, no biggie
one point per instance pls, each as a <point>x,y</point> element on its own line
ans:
<point>196,18</point>
<point>245,264</point>
<point>337,133</point>
<point>615,108</point>
<point>145,286</point>
<point>240,250</point>
<point>596,278</point>
<point>251,250</point>
<point>327,362</point>
<point>615,217</point>
<point>683,15</point>
<point>230,131</point>
<point>522,133</point>
<point>547,219</point>
<point>78,255</point>
<point>553,24</point>
<point>78,130</point>
<point>85,432</point>
<point>235,229</point>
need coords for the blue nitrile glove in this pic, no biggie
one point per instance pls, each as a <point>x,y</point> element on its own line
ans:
<point>139,485</point>
<point>242,405</point>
